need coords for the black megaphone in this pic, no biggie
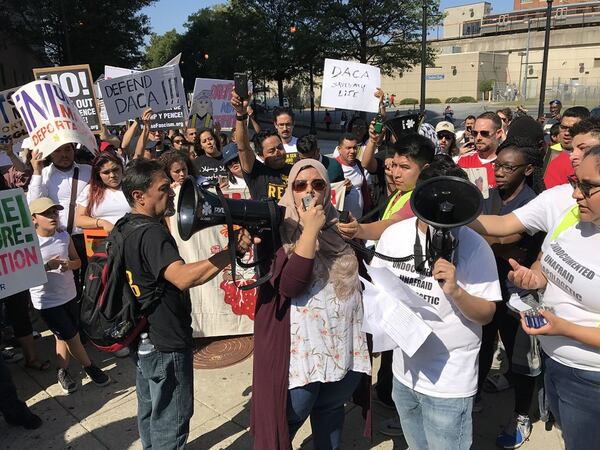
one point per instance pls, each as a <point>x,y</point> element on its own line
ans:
<point>444,202</point>
<point>198,208</point>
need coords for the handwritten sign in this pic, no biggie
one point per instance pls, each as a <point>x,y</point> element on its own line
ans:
<point>350,85</point>
<point>51,118</point>
<point>21,263</point>
<point>211,103</point>
<point>76,82</point>
<point>128,96</point>
<point>11,124</point>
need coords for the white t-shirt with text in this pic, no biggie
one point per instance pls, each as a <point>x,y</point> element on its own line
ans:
<point>545,209</point>
<point>446,365</point>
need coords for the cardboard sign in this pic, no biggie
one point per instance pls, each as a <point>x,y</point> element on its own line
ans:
<point>212,103</point>
<point>51,118</point>
<point>21,263</point>
<point>11,124</point>
<point>77,83</point>
<point>350,85</point>
<point>128,96</point>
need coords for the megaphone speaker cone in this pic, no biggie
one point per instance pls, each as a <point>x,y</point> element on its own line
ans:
<point>446,202</point>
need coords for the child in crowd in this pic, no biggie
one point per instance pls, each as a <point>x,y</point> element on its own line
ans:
<point>56,299</point>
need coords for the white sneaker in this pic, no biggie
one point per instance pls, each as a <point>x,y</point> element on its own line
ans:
<point>123,353</point>
<point>392,427</point>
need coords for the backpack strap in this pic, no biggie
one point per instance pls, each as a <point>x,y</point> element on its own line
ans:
<point>72,201</point>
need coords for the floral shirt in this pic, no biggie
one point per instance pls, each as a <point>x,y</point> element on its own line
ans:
<point>326,337</point>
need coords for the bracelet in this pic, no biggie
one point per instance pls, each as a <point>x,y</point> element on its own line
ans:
<point>242,117</point>
<point>97,223</point>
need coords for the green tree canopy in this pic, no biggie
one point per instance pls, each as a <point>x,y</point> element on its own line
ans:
<point>161,49</point>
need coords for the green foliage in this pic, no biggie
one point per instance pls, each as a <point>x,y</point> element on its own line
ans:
<point>466,99</point>
<point>161,49</point>
<point>486,85</point>
<point>409,101</point>
<point>432,100</point>
<point>79,31</point>
<point>451,100</point>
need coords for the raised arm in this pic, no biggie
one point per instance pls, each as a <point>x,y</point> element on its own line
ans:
<point>498,226</point>
<point>246,154</point>
<point>141,143</point>
<point>128,136</point>
<point>37,188</point>
<point>368,157</point>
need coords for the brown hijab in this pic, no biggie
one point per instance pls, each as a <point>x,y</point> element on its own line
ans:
<point>335,262</point>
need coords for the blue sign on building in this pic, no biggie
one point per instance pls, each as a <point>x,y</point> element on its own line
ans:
<point>435,76</point>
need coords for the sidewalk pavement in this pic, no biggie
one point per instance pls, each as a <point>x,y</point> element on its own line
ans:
<point>105,418</point>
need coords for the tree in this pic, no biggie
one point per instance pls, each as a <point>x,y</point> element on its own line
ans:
<point>96,32</point>
<point>161,49</point>
<point>383,33</point>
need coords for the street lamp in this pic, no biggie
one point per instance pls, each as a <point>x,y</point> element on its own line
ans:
<point>545,59</point>
<point>423,55</point>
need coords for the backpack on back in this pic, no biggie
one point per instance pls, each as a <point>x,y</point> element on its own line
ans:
<point>111,315</point>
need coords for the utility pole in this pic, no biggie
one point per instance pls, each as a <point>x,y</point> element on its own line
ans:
<point>545,59</point>
<point>423,55</point>
<point>526,60</point>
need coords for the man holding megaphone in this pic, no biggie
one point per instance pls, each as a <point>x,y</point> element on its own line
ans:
<point>152,262</point>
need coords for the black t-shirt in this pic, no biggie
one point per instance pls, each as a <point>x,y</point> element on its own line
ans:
<point>209,168</point>
<point>525,251</point>
<point>264,182</point>
<point>147,254</point>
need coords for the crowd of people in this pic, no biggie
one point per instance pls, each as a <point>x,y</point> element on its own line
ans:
<point>541,220</point>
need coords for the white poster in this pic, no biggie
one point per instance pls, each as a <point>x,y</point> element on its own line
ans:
<point>11,125</point>
<point>21,263</point>
<point>211,103</point>
<point>126,97</point>
<point>51,118</point>
<point>350,85</point>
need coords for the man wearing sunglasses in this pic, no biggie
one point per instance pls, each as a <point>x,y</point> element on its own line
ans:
<point>552,202</point>
<point>487,134</point>
<point>558,164</point>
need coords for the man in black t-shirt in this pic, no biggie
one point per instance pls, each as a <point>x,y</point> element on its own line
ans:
<point>266,179</point>
<point>164,382</point>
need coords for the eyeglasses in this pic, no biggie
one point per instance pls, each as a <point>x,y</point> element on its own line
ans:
<point>447,136</point>
<point>318,185</point>
<point>565,128</point>
<point>483,133</point>
<point>583,186</point>
<point>507,168</point>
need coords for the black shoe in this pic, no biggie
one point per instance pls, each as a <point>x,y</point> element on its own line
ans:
<point>66,381</point>
<point>25,419</point>
<point>97,375</point>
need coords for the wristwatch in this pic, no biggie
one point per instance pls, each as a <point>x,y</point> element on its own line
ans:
<point>242,117</point>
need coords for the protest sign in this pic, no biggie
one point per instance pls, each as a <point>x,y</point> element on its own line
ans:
<point>350,85</point>
<point>21,263</point>
<point>128,96</point>
<point>11,125</point>
<point>211,104</point>
<point>51,118</point>
<point>170,118</point>
<point>77,83</point>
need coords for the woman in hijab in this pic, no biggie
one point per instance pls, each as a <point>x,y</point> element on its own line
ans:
<point>309,348</point>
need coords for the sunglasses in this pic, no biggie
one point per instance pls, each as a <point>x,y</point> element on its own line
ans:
<point>483,133</point>
<point>506,167</point>
<point>318,185</point>
<point>178,141</point>
<point>583,186</point>
<point>447,136</point>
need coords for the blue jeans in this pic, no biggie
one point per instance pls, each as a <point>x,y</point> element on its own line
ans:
<point>574,399</point>
<point>165,393</point>
<point>433,423</point>
<point>324,403</point>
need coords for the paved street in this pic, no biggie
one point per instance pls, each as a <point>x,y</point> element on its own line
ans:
<point>105,418</point>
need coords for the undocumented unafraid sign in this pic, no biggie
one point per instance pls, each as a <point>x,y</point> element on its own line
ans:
<point>211,104</point>
<point>128,96</point>
<point>21,264</point>
<point>77,83</point>
<point>51,118</point>
<point>11,125</point>
<point>350,85</point>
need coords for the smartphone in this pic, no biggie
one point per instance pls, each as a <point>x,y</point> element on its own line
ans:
<point>378,125</point>
<point>344,216</point>
<point>306,201</point>
<point>240,81</point>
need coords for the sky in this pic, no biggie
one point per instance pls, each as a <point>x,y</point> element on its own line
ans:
<point>168,14</point>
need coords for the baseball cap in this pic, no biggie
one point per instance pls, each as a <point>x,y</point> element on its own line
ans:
<point>230,152</point>
<point>444,126</point>
<point>555,102</point>
<point>42,204</point>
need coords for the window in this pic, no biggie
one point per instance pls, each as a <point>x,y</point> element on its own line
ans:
<point>471,28</point>
<point>596,62</point>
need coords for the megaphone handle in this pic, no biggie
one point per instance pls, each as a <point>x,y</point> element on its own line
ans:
<point>230,232</point>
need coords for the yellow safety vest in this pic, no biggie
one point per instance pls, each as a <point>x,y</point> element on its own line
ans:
<point>395,204</point>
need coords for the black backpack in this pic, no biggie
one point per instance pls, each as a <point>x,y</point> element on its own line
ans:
<point>111,315</point>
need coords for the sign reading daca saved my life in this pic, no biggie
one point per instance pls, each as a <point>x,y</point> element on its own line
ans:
<point>21,264</point>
